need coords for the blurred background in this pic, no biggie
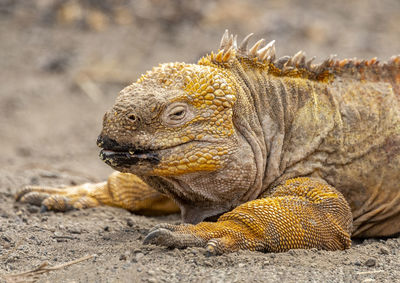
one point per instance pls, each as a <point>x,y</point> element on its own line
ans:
<point>62,62</point>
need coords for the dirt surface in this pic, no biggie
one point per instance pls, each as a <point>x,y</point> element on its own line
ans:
<point>62,64</point>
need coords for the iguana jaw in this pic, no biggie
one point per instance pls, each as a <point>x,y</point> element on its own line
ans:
<point>117,155</point>
<point>130,158</point>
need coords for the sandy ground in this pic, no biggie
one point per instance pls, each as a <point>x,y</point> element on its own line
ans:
<point>61,66</point>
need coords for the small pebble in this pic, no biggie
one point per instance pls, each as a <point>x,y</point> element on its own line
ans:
<point>23,151</point>
<point>130,222</point>
<point>48,174</point>
<point>75,230</point>
<point>106,228</point>
<point>139,256</point>
<point>6,238</point>
<point>58,234</point>
<point>55,63</point>
<point>34,181</point>
<point>32,209</point>
<point>370,262</point>
<point>384,251</point>
<point>122,257</point>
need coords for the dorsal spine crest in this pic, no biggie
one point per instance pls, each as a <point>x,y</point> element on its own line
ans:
<point>296,66</point>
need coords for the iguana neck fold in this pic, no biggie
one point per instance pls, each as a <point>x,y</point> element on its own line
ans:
<point>271,114</point>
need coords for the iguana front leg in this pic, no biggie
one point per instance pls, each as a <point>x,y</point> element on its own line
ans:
<point>301,213</point>
<point>121,190</point>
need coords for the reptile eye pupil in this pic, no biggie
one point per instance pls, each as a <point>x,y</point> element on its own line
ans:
<point>178,113</point>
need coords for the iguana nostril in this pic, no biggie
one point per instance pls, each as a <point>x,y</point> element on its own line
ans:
<point>134,120</point>
<point>132,117</point>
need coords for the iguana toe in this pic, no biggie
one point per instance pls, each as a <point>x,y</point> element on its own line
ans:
<point>215,247</point>
<point>34,198</point>
<point>173,239</point>
<point>23,195</point>
<point>57,203</point>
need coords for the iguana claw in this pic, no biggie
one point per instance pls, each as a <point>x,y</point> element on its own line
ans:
<point>176,239</point>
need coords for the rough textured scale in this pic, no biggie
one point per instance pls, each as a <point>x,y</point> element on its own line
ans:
<point>287,153</point>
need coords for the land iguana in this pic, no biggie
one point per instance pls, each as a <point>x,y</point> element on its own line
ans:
<point>284,153</point>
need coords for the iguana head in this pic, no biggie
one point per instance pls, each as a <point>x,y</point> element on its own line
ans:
<point>176,119</point>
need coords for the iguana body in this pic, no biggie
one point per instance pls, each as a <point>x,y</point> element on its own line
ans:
<point>293,155</point>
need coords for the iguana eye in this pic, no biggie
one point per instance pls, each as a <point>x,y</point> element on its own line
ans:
<point>176,114</point>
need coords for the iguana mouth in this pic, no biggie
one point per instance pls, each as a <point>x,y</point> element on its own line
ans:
<point>115,154</point>
<point>121,158</point>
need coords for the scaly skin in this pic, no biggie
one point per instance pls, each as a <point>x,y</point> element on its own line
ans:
<point>291,154</point>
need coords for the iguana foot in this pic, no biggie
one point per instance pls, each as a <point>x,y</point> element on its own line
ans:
<point>216,237</point>
<point>121,190</point>
<point>60,199</point>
